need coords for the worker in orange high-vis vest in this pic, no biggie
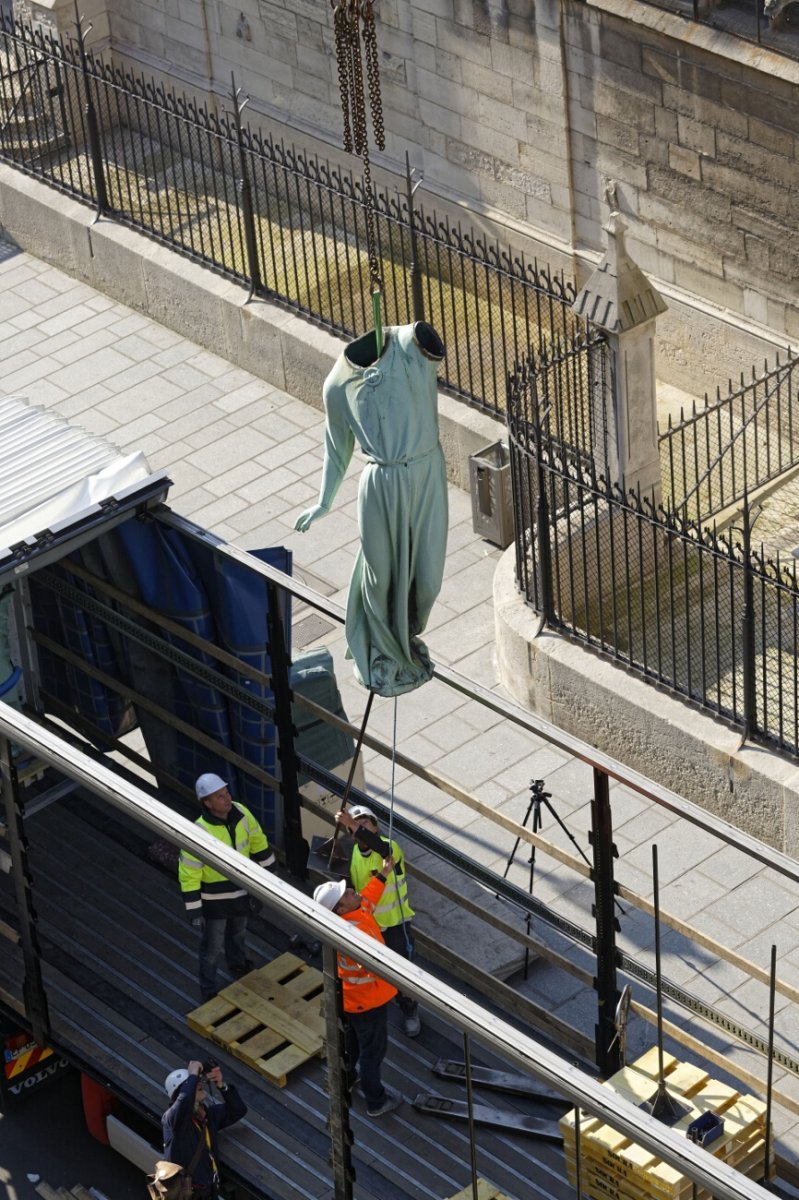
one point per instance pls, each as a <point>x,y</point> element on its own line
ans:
<point>365,997</point>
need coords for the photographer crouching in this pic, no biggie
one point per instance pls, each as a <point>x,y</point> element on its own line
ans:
<point>191,1123</point>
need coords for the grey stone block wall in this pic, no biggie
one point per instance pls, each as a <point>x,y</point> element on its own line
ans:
<point>469,86</point>
<point>715,156</point>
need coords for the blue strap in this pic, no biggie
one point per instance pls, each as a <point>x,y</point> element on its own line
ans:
<point>11,681</point>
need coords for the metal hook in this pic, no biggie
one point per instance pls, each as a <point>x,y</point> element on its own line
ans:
<point>79,19</point>
<point>236,92</point>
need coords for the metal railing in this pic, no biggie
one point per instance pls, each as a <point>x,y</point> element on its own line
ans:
<point>716,455</point>
<point>562,393</point>
<point>286,224</point>
<point>765,23</point>
<point>702,613</point>
<point>453,1006</point>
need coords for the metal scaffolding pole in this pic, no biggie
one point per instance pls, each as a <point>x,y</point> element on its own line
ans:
<point>519,1049</point>
<point>33,992</point>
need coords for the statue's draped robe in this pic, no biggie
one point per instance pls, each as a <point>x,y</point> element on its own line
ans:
<point>390,409</point>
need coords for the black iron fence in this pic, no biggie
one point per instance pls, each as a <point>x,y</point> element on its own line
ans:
<point>701,613</point>
<point>286,224</point>
<point>718,454</point>
<point>770,23</point>
<point>564,389</point>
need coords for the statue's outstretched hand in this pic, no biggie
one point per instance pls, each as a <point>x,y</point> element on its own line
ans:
<point>305,520</point>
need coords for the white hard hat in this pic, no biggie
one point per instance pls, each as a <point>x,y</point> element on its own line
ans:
<point>174,1079</point>
<point>362,812</point>
<point>206,785</point>
<point>329,894</point>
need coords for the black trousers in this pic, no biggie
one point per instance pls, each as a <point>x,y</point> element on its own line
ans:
<point>399,938</point>
<point>367,1042</point>
<point>205,1191</point>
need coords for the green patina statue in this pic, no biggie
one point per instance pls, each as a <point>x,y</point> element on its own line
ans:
<point>389,406</point>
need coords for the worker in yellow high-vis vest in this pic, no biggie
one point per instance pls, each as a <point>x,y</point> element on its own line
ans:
<point>393,913</point>
<point>215,905</point>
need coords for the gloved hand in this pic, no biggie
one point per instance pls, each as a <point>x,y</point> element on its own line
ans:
<point>197,923</point>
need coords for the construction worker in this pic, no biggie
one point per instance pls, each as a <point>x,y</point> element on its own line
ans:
<point>190,1125</point>
<point>393,914</point>
<point>215,905</point>
<point>366,997</point>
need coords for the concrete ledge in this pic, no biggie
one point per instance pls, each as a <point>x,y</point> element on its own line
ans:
<point>265,339</point>
<point>649,730</point>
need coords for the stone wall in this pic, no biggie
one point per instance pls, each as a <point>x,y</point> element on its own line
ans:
<point>520,111</point>
<point>703,147</point>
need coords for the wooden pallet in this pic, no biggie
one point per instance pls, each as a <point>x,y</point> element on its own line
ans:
<point>615,1168</point>
<point>270,1019</point>
<point>78,1192</point>
<point>485,1191</point>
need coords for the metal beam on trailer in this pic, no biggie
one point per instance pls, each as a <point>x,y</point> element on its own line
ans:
<point>574,746</point>
<point>525,1052</point>
<point>609,1059</point>
<point>33,990</point>
<point>494,883</point>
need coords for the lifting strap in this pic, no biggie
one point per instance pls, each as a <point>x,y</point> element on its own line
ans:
<point>351,776</point>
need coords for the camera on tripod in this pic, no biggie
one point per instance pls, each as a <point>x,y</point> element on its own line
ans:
<point>537,789</point>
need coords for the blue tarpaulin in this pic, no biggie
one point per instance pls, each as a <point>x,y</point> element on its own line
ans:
<point>221,601</point>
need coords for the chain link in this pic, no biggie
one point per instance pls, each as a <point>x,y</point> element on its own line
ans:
<point>358,97</point>
<point>373,73</point>
<point>341,34</point>
<point>347,16</point>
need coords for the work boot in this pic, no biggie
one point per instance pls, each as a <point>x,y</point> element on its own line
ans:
<point>247,966</point>
<point>411,1022</point>
<point>392,1101</point>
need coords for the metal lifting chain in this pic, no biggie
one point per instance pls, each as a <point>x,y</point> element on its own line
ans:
<point>373,73</point>
<point>347,16</point>
<point>357,96</point>
<point>341,32</point>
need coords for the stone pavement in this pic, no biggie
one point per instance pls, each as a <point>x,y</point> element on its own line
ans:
<point>245,459</point>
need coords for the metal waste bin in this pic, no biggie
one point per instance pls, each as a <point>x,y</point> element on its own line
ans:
<point>492,500</point>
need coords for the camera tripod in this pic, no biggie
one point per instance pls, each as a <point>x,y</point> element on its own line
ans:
<point>538,799</point>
